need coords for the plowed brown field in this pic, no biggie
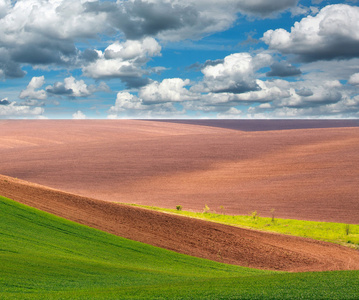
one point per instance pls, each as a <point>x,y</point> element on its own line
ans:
<point>189,236</point>
<point>307,173</point>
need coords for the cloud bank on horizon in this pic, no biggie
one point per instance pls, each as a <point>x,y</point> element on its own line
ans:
<point>179,59</point>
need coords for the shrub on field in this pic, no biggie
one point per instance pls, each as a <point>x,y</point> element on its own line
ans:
<point>206,209</point>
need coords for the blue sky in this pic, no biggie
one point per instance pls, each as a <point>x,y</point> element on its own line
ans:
<point>179,59</point>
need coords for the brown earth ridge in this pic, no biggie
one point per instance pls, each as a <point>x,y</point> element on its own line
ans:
<point>185,235</point>
<point>309,171</point>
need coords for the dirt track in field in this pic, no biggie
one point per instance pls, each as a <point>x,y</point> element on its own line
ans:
<point>184,235</point>
<point>309,173</point>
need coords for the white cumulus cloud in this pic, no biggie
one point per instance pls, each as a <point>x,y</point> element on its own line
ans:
<point>4,7</point>
<point>32,90</point>
<point>129,105</point>
<point>132,49</point>
<point>126,101</point>
<point>236,74</point>
<point>332,33</point>
<point>124,60</point>
<point>354,79</point>
<point>79,115</point>
<point>169,90</point>
<point>21,111</point>
<point>41,32</point>
<point>70,87</point>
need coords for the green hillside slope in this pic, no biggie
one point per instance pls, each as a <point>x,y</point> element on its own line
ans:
<point>45,257</point>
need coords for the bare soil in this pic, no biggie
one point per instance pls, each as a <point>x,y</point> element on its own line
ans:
<point>269,125</point>
<point>184,235</point>
<point>309,172</point>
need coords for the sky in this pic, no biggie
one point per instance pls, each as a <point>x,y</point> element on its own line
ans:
<point>238,59</point>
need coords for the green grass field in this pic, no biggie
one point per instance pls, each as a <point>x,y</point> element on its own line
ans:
<point>46,257</point>
<point>325,231</point>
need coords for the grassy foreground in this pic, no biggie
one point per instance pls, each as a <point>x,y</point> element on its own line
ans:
<point>46,257</point>
<point>346,234</point>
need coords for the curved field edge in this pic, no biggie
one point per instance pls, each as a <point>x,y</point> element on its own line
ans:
<point>339,233</point>
<point>41,252</point>
<point>48,257</point>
